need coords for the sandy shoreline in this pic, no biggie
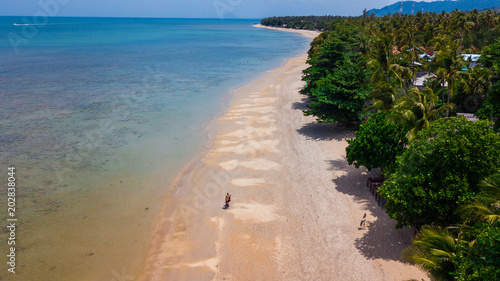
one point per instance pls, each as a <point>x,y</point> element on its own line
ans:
<point>296,204</point>
<point>307,33</point>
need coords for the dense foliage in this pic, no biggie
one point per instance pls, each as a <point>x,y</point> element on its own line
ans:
<point>377,142</point>
<point>340,96</point>
<point>476,29</point>
<point>491,107</point>
<point>479,257</point>
<point>362,61</point>
<point>469,250</point>
<point>433,250</point>
<point>309,22</point>
<point>373,68</point>
<point>335,79</point>
<point>457,253</point>
<point>479,260</point>
<point>440,170</point>
<point>417,109</point>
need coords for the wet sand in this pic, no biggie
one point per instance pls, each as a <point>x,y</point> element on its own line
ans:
<point>296,204</point>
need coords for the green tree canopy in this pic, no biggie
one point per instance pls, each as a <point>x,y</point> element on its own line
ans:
<point>449,64</point>
<point>326,52</point>
<point>340,96</point>
<point>377,142</point>
<point>469,251</point>
<point>491,107</point>
<point>440,170</point>
<point>479,260</point>
<point>336,76</point>
<point>486,205</point>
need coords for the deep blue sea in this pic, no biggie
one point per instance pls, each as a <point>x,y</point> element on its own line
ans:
<point>98,115</point>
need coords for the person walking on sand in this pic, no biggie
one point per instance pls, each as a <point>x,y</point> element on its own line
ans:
<point>228,199</point>
<point>363,222</point>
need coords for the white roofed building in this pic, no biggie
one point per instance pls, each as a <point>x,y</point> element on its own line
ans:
<point>473,59</point>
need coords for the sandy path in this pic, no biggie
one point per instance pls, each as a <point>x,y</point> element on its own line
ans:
<point>296,204</point>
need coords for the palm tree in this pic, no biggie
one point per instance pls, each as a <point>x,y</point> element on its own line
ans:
<point>381,58</point>
<point>486,205</point>
<point>448,64</point>
<point>430,30</point>
<point>383,97</point>
<point>461,21</point>
<point>476,80</point>
<point>492,20</point>
<point>402,75</point>
<point>418,109</point>
<point>433,250</point>
<point>406,35</point>
<point>475,83</point>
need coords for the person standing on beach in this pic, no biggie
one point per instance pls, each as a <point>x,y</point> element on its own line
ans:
<point>228,199</point>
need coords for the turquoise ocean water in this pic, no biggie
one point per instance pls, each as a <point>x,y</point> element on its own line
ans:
<point>98,115</point>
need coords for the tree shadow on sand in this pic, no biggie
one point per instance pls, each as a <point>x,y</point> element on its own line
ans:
<point>337,165</point>
<point>325,132</point>
<point>381,240</point>
<point>301,105</point>
<point>321,131</point>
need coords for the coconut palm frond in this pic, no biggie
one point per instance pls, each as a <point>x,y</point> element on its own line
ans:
<point>433,250</point>
<point>486,205</point>
<point>418,109</point>
<point>474,209</point>
<point>418,256</point>
<point>491,186</point>
<point>492,218</point>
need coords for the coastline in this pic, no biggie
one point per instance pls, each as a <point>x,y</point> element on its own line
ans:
<point>307,33</point>
<point>295,201</point>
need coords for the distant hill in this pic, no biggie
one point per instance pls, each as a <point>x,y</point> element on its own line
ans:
<point>437,6</point>
<point>496,9</point>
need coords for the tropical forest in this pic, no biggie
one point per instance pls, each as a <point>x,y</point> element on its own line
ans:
<point>422,95</point>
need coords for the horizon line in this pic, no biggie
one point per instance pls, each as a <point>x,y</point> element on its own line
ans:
<point>141,17</point>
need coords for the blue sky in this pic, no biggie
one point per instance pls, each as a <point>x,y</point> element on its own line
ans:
<point>188,8</point>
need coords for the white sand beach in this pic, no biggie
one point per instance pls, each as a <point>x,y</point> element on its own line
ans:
<point>296,204</point>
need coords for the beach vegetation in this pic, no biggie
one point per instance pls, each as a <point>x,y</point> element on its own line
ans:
<point>336,78</point>
<point>302,22</point>
<point>434,250</point>
<point>325,55</point>
<point>491,106</point>
<point>440,170</point>
<point>460,252</point>
<point>404,79</point>
<point>394,51</point>
<point>448,64</point>
<point>485,206</point>
<point>339,97</point>
<point>479,259</point>
<point>377,142</point>
<point>469,250</point>
<point>417,109</point>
